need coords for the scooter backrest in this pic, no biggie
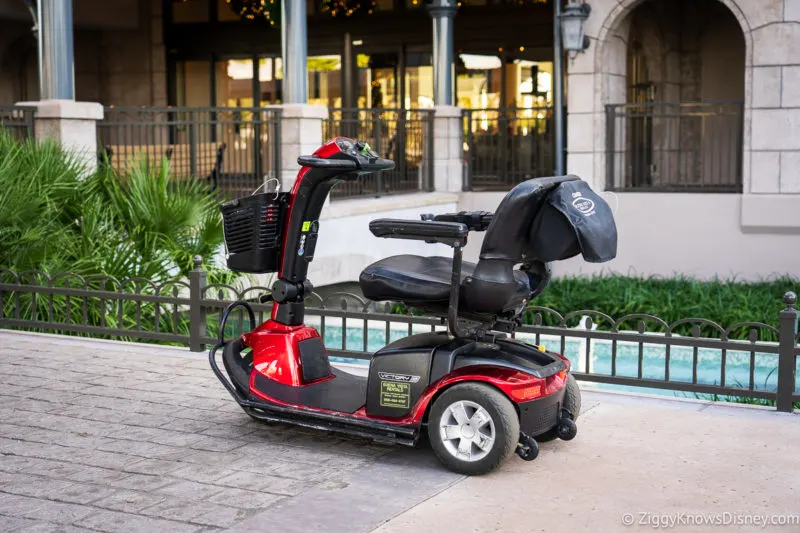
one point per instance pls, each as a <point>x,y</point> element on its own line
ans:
<point>539,221</point>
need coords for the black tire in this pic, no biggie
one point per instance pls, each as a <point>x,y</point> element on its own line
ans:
<point>572,403</point>
<point>504,417</point>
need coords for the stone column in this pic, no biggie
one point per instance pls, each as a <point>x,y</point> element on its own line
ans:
<point>443,12</point>
<point>295,46</point>
<point>448,168</point>
<point>301,134</point>
<point>57,55</point>
<point>72,124</point>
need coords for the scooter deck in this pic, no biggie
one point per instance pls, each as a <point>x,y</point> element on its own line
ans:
<point>305,415</point>
<point>345,393</point>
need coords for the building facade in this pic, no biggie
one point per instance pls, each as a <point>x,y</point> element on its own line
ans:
<point>685,111</point>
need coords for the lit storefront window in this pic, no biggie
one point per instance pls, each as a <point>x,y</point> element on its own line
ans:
<point>270,78</point>
<point>325,80</point>
<point>478,81</point>
<point>234,79</point>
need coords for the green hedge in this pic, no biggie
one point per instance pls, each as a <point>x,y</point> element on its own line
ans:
<point>671,299</point>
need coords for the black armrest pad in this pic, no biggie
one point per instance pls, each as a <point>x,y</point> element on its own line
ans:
<point>475,220</point>
<point>449,233</point>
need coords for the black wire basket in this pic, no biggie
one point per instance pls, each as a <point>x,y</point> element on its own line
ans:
<point>253,227</point>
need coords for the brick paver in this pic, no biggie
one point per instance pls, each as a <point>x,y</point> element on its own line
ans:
<point>115,437</point>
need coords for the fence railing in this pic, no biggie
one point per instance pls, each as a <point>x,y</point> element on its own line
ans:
<point>750,360</point>
<point>403,135</point>
<point>503,147</point>
<point>18,121</point>
<point>683,147</point>
<point>236,149</point>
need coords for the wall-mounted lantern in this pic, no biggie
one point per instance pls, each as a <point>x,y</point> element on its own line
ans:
<point>573,20</point>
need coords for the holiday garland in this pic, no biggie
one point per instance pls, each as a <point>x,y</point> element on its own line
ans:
<point>257,9</point>
<point>349,8</point>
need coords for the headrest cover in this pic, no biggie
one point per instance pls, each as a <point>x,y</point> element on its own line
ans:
<point>574,220</point>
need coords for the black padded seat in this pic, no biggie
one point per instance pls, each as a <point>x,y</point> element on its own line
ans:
<point>417,279</point>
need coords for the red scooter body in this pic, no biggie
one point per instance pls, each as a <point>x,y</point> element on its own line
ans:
<point>280,370</point>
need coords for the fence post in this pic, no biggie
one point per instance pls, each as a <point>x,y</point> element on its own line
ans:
<point>467,115</point>
<point>193,143</point>
<point>377,127</point>
<point>786,356</point>
<point>197,316</point>
<point>611,145</point>
<point>275,142</point>
<point>502,160</point>
<point>258,115</point>
<point>430,184</point>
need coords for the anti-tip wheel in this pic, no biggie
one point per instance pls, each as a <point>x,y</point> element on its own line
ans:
<point>527,448</point>
<point>566,429</point>
<point>473,428</point>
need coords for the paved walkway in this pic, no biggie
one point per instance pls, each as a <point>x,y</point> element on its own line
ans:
<point>114,437</point>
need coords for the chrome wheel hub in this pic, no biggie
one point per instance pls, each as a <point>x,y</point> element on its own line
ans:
<point>467,431</point>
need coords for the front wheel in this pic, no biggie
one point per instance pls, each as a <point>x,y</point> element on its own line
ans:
<point>473,428</point>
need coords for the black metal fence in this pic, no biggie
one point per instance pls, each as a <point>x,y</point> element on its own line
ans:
<point>18,121</point>
<point>403,135</point>
<point>504,147</point>
<point>683,147</point>
<point>236,149</point>
<point>692,355</point>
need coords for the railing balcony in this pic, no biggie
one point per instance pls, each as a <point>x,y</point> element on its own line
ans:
<point>674,147</point>
<point>235,149</point>
<point>17,121</point>
<point>503,147</point>
<point>403,135</point>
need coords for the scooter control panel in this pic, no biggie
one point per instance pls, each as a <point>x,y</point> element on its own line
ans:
<point>357,149</point>
<point>367,159</point>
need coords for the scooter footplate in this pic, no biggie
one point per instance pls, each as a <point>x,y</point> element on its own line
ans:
<point>345,393</point>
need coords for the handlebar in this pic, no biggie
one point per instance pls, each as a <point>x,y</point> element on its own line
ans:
<point>331,164</point>
<point>374,164</point>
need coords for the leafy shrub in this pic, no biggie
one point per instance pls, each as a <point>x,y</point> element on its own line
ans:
<point>102,229</point>
<point>142,224</point>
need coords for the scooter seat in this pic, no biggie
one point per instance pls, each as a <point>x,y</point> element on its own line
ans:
<point>418,279</point>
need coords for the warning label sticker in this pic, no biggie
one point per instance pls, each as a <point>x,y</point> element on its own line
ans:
<point>395,394</point>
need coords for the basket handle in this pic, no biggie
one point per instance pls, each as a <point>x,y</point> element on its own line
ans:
<point>263,185</point>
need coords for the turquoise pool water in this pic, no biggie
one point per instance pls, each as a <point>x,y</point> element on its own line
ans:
<point>737,364</point>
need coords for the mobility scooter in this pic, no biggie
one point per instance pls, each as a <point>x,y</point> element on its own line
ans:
<point>475,392</point>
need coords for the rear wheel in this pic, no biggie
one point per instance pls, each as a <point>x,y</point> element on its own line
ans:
<point>473,428</point>
<point>571,403</point>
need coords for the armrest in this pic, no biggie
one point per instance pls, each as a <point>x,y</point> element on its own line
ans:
<point>449,233</point>
<point>475,220</point>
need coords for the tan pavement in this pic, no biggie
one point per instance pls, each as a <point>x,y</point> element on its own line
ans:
<point>127,438</point>
<point>662,464</point>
